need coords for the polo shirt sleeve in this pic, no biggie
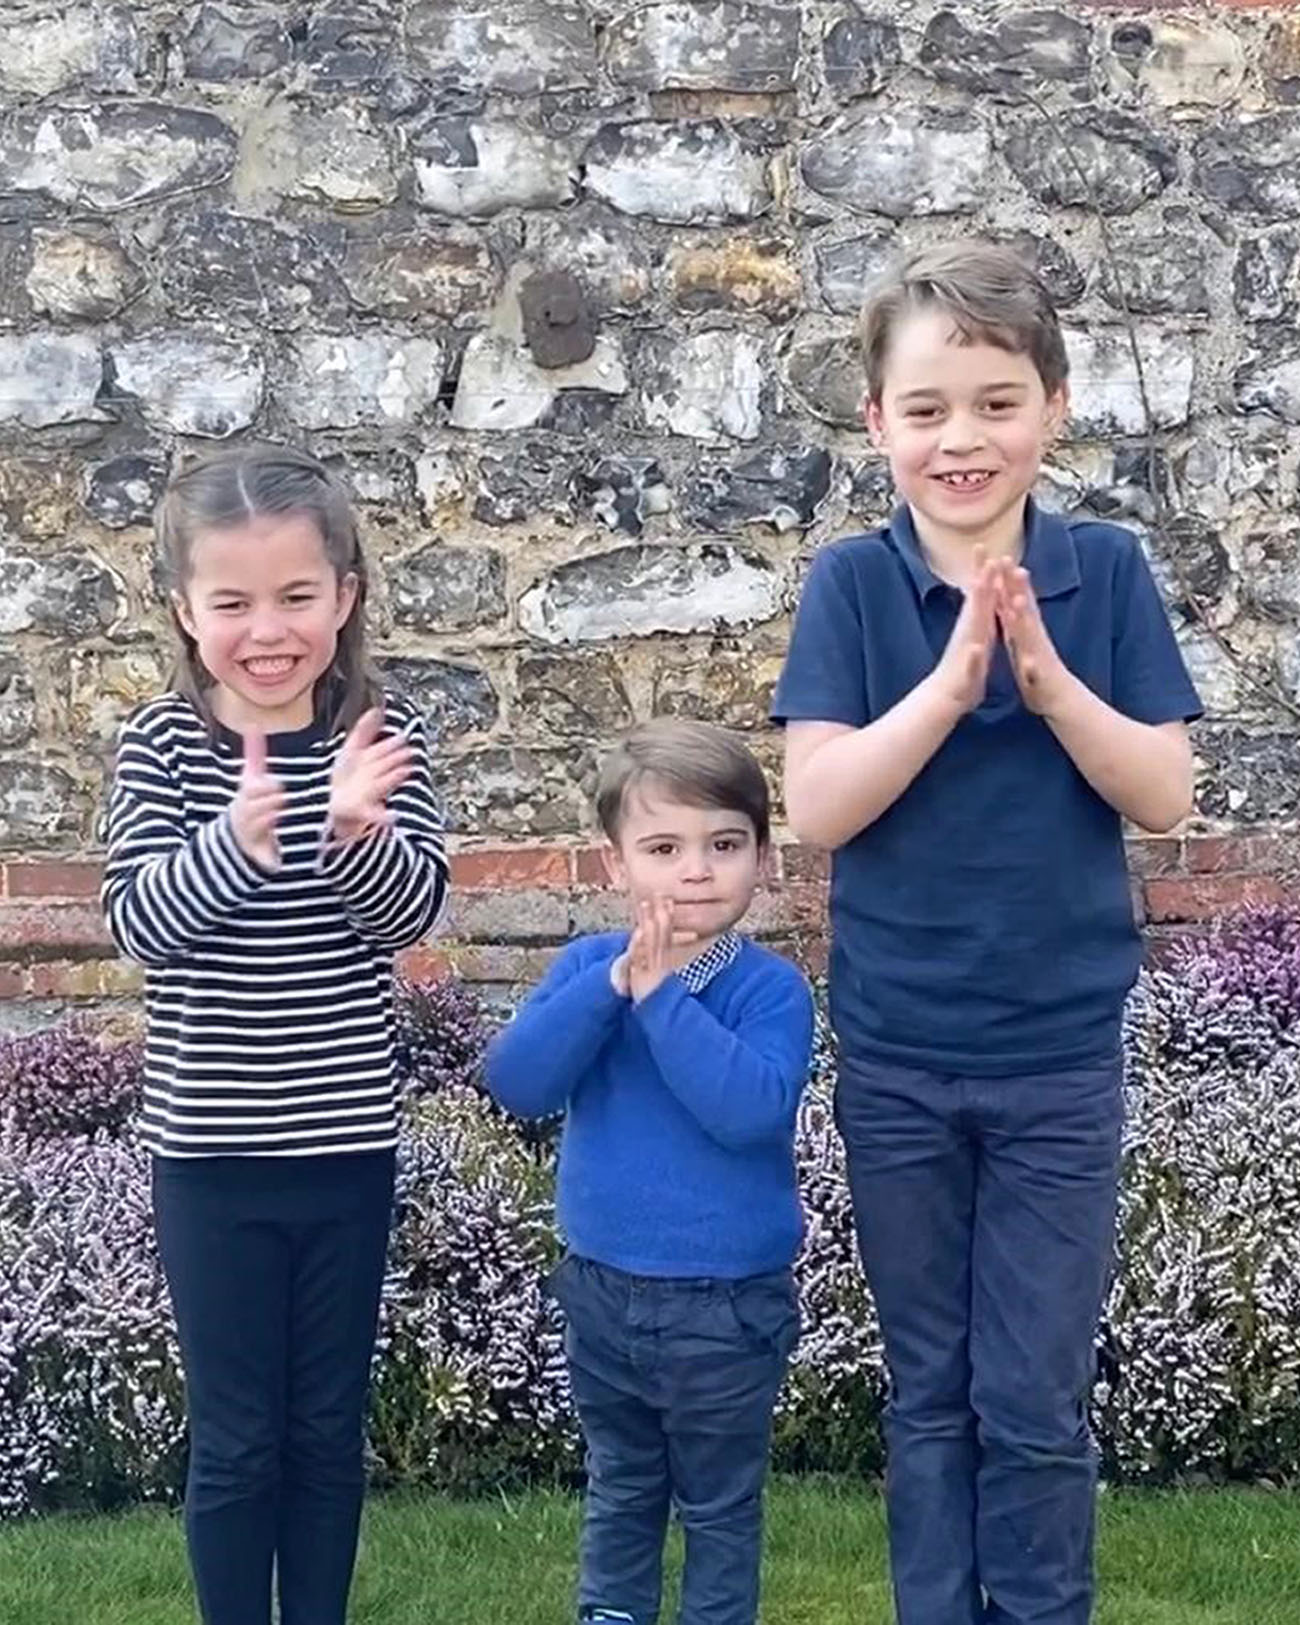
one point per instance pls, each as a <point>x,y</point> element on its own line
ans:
<point>1150,680</point>
<point>825,674</point>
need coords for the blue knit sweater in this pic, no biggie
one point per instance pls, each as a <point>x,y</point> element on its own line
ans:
<point>677,1156</point>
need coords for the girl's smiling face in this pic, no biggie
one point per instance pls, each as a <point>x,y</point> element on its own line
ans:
<point>965,424</point>
<point>264,606</point>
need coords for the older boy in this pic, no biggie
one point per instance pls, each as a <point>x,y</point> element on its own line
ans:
<point>976,696</point>
<point>677,1054</point>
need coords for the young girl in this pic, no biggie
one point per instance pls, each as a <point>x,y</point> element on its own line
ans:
<point>272,839</point>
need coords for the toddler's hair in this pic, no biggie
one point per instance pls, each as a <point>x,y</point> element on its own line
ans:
<point>696,762</point>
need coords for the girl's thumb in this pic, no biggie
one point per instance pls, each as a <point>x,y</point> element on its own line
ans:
<point>254,753</point>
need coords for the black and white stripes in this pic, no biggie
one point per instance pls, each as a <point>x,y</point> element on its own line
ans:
<point>269,994</point>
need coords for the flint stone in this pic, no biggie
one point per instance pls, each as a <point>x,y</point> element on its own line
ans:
<point>189,384</point>
<point>250,270</point>
<point>454,699</point>
<point>1100,159</point>
<point>824,371</point>
<point>80,275</point>
<point>17,702</point>
<point>425,271</point>
<point>66,594</point>
<point>1191,62</point>
<point>575,696</point>
<point>38,804</point>
<point>1252,165</point>
<point>447,588</point>
<point>1025,47</point>
<point>511,47</point>
<point>637,591</point>
<point>1266,275</point>
<point>126,490</point>
<point>224,45</point>
<point>744,273</point>
<point>1104,395</point>
<point>681,174</point>
<point>472,168</point>
<point>1158,273</point>
<point>502,387</point>
<point>338,156</point>
<point>623,492</point>
<point>96,47</point>
<point>899,164</point>
<point>114,157</point>
<point>720,45</point>
<point>347,381</point>
<point>1269,379</point>
<point>516,792</point>
<point>783,487</point>
<point>49,378</point>
<point>847,266</point>
<point>1249,777</point>
<point>860,54</point>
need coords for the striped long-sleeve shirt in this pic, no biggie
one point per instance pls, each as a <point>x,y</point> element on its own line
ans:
<point>269,995</point>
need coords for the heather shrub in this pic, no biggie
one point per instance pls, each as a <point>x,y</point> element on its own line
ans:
<point>470,1388</point>
<point>441,1035</point>
<point>1205,1313</point>
<point>67,1080</point>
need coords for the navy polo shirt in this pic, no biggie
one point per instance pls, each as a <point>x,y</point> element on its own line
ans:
<point>984,923</point>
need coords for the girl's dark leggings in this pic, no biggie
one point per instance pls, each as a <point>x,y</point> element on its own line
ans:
<point>275,1266</point>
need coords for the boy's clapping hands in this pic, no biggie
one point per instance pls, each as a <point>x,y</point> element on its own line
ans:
<point>649,957</point>
<point>1001,598</point>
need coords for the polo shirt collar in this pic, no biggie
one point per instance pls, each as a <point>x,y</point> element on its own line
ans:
<point>1051,556</point>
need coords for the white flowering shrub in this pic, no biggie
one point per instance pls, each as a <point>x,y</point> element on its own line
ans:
<point>1204,1318</point>
<point>1202,1340</point>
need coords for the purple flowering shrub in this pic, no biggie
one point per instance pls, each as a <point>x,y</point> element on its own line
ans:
<point>67,1080</point>
<point>1205,1312</point>
<point>90,1407</point>
<point>442,1032</point>
<point>470,1387</point>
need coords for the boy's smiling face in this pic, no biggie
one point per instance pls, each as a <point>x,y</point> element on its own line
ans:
<point>965,425</point>
<point>705,859</point>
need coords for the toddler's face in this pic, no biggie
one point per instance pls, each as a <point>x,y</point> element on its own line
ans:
<point>705,859</point>
<point>265,607</point>
<point>965,426</point>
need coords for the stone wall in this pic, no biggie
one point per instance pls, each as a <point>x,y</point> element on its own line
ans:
<point>567,289</point>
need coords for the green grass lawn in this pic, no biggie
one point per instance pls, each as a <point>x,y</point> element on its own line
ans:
<point>1204,1558</point>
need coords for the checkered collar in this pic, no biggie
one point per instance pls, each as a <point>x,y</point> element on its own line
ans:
<point>700,971</point>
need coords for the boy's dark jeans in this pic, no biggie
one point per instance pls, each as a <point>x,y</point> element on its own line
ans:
<point>985,1212</point>
<point>675,1382</point>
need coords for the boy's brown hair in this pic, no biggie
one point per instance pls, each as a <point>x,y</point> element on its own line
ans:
<point>696,762</point>
<point>991,292</point>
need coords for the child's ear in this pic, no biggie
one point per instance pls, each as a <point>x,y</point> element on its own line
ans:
<point>766,863</point>
<point>1058,410</point>
<point>347,600</point>
<point>615,868</point>
<point>181,607</point>
<point>874,419</point>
